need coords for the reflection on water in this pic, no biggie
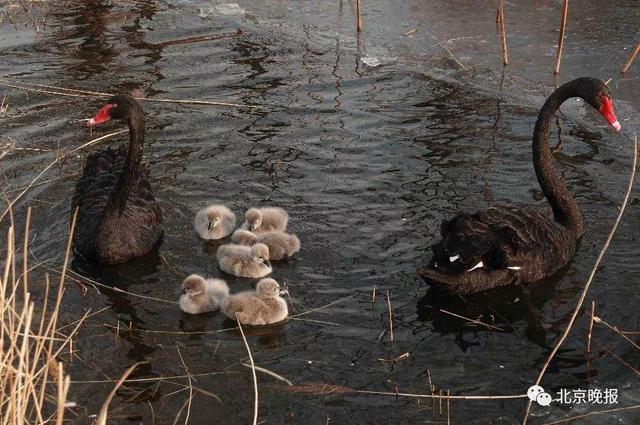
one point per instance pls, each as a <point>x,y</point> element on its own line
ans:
<point>367,161</point>
<point>492,311</point>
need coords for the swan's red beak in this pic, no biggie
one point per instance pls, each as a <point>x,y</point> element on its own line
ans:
<point>607,112</point>
<point>101,116</point>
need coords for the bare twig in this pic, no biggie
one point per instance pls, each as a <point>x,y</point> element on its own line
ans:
<point>452,397</point>
<point>59,91</point>
<point>268,372</point>
<point>358,17</point>
<point>186,369</point>
<point>599,320</point>
<point>477,322</point>
<point>503,33</point>
<point>630,59</point>
<point>563,27</point>
<point>617,357</point>
<point>590,279</point>
<point>588,353</point>
<point>253,371</point>
<point>400,357</point>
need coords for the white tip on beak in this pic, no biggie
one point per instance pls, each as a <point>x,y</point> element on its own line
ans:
<point>284,292</point>
<point>454,258</point>
<point>476,266</point>
<point>616,125</point>
<point>514,267</point>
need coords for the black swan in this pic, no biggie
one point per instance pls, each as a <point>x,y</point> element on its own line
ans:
<point>118,217</point>
<point>512,244</point>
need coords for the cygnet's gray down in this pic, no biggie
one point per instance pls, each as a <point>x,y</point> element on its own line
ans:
<point>281,245</point>
<point>214,222</point>
<point>200,295</point>
<point>260,307</point>
<point>244,261</point>
<point>265,219</point>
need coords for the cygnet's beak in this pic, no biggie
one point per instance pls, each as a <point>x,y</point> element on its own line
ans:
<point>267,262</point>
<point>210,226</point>
<point>183,291</point>
<point>283,291</point>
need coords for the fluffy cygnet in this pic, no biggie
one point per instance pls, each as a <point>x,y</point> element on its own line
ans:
<point>214,222</point>
<point>262,307</point>
<point>265,219</point>
<point>200,295</point>
<point>244,261</point>
<point>281,245</point>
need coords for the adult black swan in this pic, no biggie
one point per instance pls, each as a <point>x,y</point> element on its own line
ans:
<point>512,244</point>
<point>118,217</point>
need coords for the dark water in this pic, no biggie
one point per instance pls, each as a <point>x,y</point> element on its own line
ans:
<point>368,162</point>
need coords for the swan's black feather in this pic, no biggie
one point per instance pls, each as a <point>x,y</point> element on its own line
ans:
<point>510,243</point>
<point>502,236</point>
<point>134,232</point>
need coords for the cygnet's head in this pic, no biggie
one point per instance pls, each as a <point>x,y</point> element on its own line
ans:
<point>243,237</point>
<point>260,253</point>
<point>269,288</point>
<point>214,218</point>
<point>254,218</point>
<point>193,285</point>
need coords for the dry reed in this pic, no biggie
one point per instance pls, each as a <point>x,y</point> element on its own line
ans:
<point>601,321</point>
<point>358,17</point>
<point>630,59</point>
<point>31,341</point>
<point>253,372</point>
<point>563,27</point>
<point>61,91</point>
<point>503,33</point>
<point>270,373</point>
<point>578,306</point>
<point>441,396</point>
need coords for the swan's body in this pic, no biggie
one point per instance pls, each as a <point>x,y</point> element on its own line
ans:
<point>260,220</point>
<point>510,243</point>
<point>214,222</point>
<point>244,261</point>
<point>118,217</point>
<point>260,307</point>
<point>200,295</point>
<point>281,245</point>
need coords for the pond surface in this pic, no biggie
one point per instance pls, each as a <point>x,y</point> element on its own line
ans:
<point>367,161</point>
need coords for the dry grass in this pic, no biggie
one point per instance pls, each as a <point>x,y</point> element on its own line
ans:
<point>34,386</point>
<point>29,344</point>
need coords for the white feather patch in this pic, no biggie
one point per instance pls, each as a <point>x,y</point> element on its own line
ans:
<point>514,267</point>
<point>480,264</point>
<point>454,258</point>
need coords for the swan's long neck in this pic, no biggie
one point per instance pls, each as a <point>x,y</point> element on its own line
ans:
<point>565,208</point>
<point>118,199</point>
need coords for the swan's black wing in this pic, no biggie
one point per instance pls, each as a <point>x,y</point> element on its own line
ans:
<point>502,245</point>
<point>138,227</point>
